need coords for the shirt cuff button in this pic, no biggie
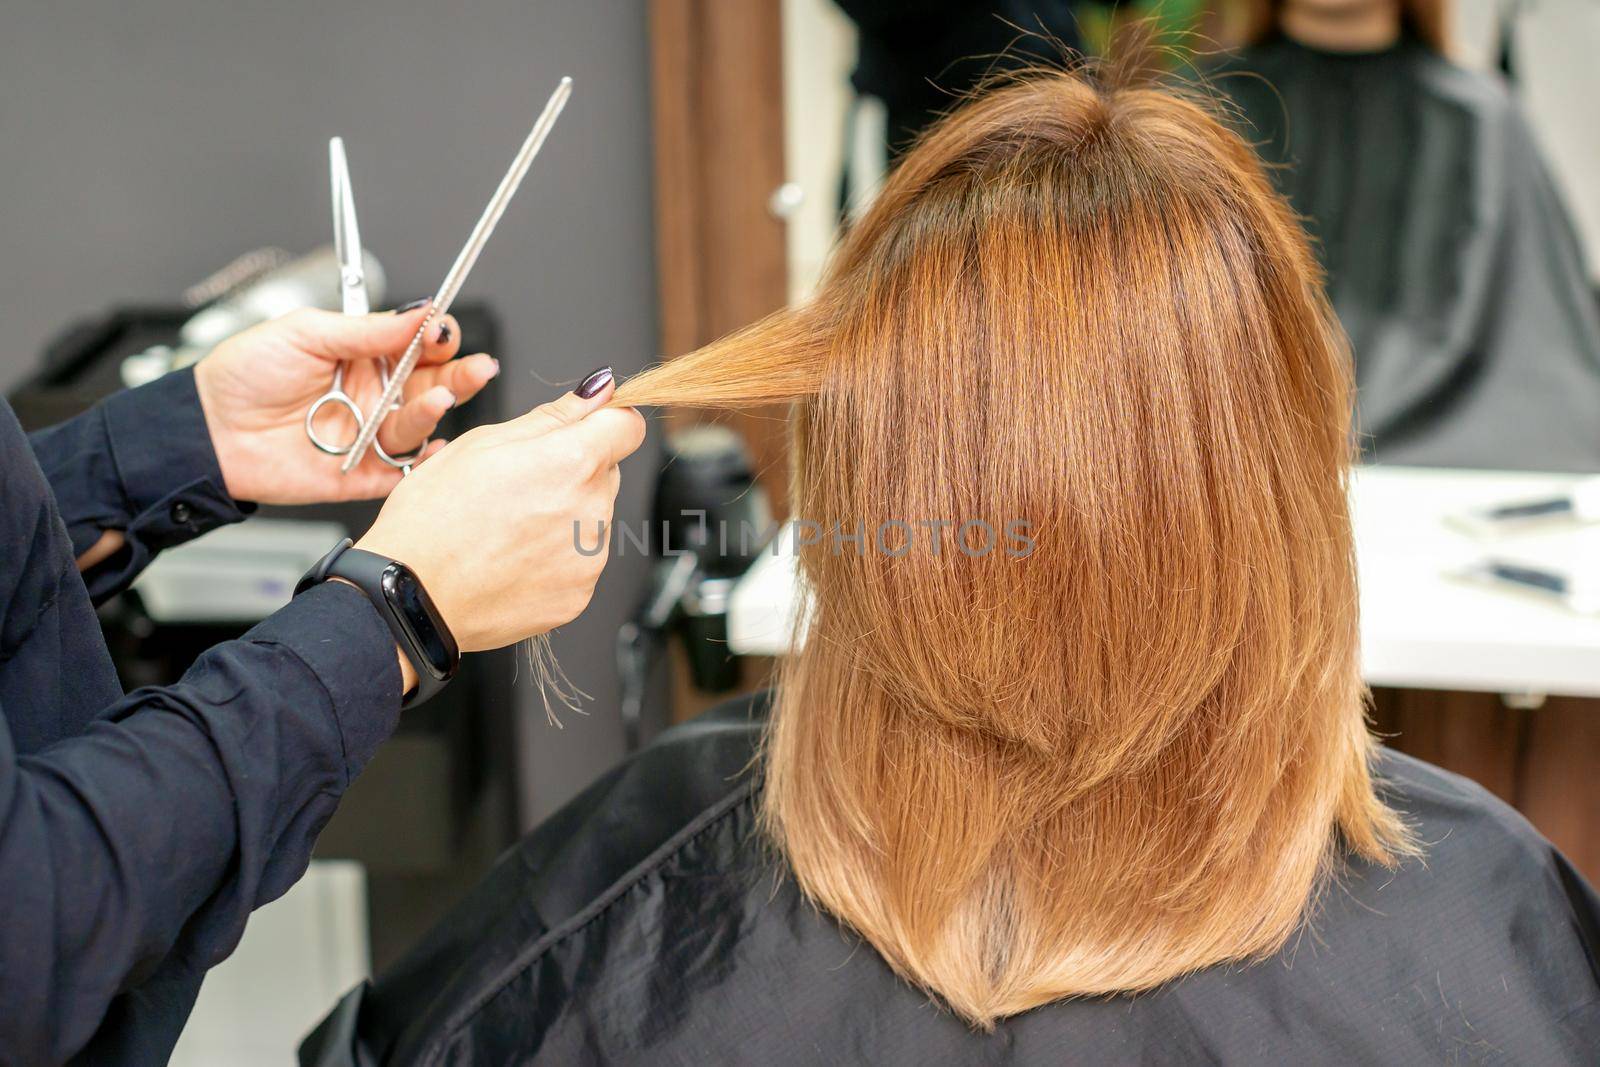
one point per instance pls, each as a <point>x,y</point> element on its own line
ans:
<point>181,513</point>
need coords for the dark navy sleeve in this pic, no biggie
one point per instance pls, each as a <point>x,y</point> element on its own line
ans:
<point>139,848</point>
<point>140,461</point>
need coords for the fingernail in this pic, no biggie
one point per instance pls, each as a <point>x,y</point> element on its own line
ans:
<point>411,306</point>
<point>494,367</point>
<point>444,332</point>
<point>595,382</point>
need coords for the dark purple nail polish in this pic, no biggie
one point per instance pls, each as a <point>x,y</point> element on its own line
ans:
<point>410,306</point>
<point>595,382</point>
<point>444,333</point>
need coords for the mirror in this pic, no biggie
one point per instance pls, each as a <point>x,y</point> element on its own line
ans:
<point>1443,156</point>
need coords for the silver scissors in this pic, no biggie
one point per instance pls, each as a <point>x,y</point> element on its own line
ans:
<point>353,290</point>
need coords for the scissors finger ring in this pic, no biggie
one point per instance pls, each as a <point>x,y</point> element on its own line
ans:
<point>338,397</point>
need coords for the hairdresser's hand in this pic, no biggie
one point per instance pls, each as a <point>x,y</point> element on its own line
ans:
<point>256,388</point>
<point>490,524</point>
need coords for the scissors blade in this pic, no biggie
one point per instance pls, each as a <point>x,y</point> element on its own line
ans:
<point>462,267</point>
<point>346,234</point>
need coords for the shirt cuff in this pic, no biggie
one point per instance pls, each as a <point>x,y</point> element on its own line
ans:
<point>162,450</point>
<point>337,632</point>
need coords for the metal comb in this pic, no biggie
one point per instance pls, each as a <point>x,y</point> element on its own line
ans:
<point>462,267</point>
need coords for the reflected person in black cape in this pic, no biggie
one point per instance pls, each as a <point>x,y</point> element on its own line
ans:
<point>1451,260</point>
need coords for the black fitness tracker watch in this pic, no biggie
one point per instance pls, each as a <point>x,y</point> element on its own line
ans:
<point>399,597</point>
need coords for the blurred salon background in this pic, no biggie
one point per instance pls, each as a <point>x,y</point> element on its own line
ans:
<point>166,185</point>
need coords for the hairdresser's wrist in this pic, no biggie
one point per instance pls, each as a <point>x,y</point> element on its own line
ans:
<point>408,673</point>
<point>491,525</point>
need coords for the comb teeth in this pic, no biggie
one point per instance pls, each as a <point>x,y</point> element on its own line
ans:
<point>391,395</point>
<point>456,278</point>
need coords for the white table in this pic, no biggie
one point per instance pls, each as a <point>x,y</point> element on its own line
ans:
<point>1420,628</point>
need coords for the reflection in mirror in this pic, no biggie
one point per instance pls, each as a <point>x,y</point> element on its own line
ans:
<point>1452,260</point>
<point>1442,156</point>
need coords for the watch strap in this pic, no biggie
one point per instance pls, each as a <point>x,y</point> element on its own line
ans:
<point>365,570</point>
<point>319,571</point>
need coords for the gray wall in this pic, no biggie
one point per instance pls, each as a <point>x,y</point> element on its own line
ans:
<point>146,144</point>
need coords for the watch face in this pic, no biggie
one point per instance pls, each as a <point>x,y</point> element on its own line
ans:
<point>421,620</point>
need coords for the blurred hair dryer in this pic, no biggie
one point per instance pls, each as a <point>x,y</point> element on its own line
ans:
<point>255,287</point>
<point>712,520</point>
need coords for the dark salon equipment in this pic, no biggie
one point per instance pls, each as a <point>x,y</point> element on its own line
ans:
<point>437,802</point>
<point>920,57</point>
<point>709,522</point>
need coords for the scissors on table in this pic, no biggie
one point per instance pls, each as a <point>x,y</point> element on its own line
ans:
<point>353,290</point>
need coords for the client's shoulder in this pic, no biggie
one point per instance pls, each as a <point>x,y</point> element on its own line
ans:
<point>641,810</point>
<point>1482,876</point>
<point>640,813</point>
<point>681,811</point>
<point>1448,812</point>
<point>1482,944</point>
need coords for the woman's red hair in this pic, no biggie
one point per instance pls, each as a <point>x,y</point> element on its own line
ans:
<point>1138,749</point>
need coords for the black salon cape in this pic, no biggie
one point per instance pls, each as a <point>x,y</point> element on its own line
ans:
<point>1451,261</point>
<point>137,832</point>
<point>647,923</point>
